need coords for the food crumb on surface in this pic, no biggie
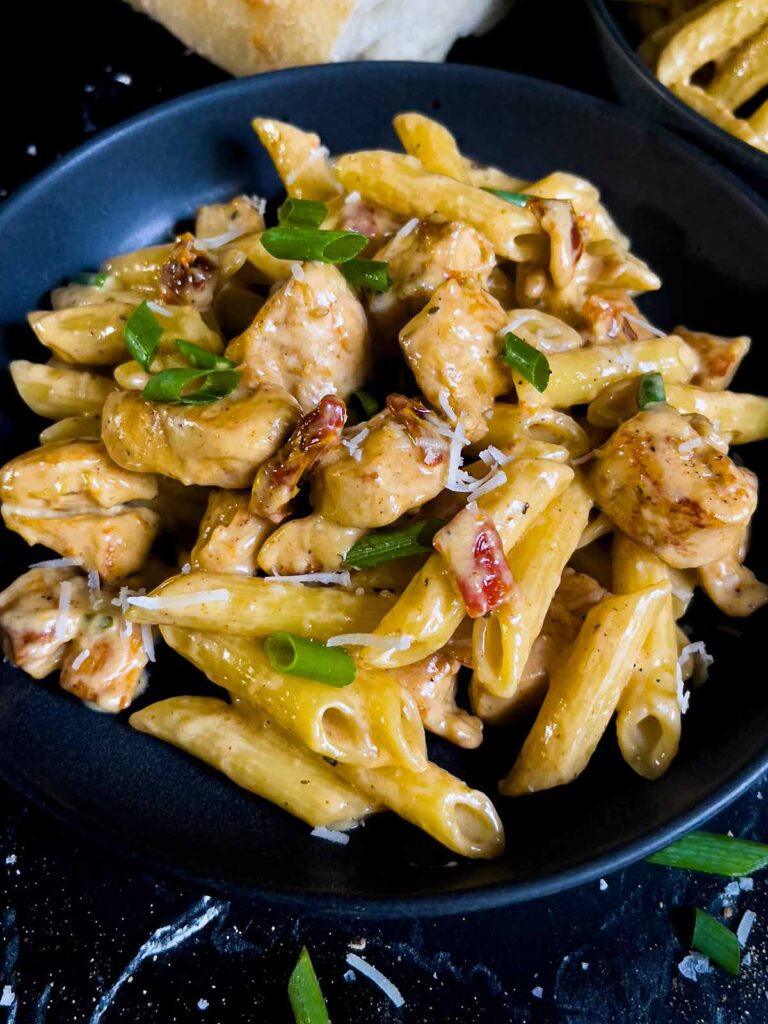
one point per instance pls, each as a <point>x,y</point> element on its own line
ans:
<point>123,78</point>
<point>7,996</point>
<point>538,992</point>
<point>693,965</point>
<point>11,859</point>
<point>350,976</point>
<point>603,885</point>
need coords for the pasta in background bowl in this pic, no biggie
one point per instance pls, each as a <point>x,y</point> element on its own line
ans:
<point>423,357</point>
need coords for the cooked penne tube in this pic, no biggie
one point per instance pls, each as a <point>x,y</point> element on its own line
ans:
<point>508,424</point>
<point>57,393</point>
<point>714,111</point>
<point>502,641</point>
<point>598,527</point>
<point>72,428</point>
<point>586,202</point>
<point>255,754</point>
<point>299,159</point>
<point>741,418</point>
<point>371,722</point>
<point>717,29</point>
<point>580,375</point>
<point>432,144</point>
<point>399,183</point>
<point>251,606</point>
<point>648,712</point>
<point>743,73</point>
<point>584,691</point>
<point>430,609</point>
<point>460,818</point>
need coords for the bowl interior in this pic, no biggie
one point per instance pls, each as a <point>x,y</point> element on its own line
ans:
<point>694,223</point>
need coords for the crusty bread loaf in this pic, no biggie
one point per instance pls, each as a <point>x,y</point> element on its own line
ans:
<point>246,36</point>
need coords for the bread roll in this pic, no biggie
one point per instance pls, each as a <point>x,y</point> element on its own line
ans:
<point>247,36</point>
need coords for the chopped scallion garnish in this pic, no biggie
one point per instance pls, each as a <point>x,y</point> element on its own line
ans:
<point>516,198</point>
<point>172,386</point>
<point>201,358</point>
<point>142,335</point>
<point>301,213</point>
<point>305,994</point>
<point>389,545</point>
<point>526,360</point>
<point>301,244</point>
<point>298,656</point>
<point>715,941</point>
<point>372,274</point>
<point>714,854</point>
<point>650,390</point>
<point>96,280</point>
<point>367,402</point>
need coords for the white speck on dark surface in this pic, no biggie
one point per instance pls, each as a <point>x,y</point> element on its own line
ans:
<point>11,859</point>
<point>603,885</point>
<point>123,78</point>
<point>203,1004</point>
<point>7,996</point>
<point>538,992</point>
<point>693,965</point>
<point>349,975</point>
<point>31,150</point>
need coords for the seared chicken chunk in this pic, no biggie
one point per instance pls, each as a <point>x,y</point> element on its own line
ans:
<point>670,488</point>
<point>71,497</point>
<point>219,445</point>
<point>310,337</point>
<point>49,619</point>
<point>231,536</point>
<point>365,217</point>
<point>432,683</point>
<point>422,260</point>
<point>311,544</point>
<point>392,470</point>
<point>453,350</point>
<point>720,357</point>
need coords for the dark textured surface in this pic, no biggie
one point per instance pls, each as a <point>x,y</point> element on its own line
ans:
<point>76,917</point>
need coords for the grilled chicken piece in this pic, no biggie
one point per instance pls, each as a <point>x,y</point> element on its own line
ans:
<point>432,683</point>
<point>369,219</point>
<point>453,351</point>
<point>400,462</point>
<point>310,337</point>
<point>230,535</point>
<point>278,480</point>
<point>421,261</point>
<point>665,480</point>
<point>573,599</point>
<point>311,544</point>
<point>49,619</point>
<point>219,445</point>
<point>720,357</point>
<point>71,497</point>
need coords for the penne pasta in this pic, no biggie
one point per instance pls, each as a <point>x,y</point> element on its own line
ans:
<point>299,159</point>
<point>648,712</point>
<point>432,144</point>
<point>251,606</point>
<point>371,722</point>
<point>584,691</point>
<point>258,756</point>
<point>57,393</point>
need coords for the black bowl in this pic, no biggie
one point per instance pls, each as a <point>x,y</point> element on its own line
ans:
<point>638,88</point>
<point>696,224</point>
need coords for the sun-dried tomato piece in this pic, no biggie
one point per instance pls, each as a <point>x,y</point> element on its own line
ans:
<point>189,274</point>
<point>279,478</point>
<point>421,428</point>
<point>471,548</point>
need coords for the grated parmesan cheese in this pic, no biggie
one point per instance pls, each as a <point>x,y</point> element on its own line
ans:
<point>343,579</point>
<point>407,228</point>
<point>702,659</point>
<point>686,447</point>
<point>65,596</point>
<point>216,241</point>
<point>157,308</point>
<point>57,563</point>
<point>94,585</point>
<point>148,641</point>
<point>644,325</point>
<point>259,204</point>
<point>384,643</point>
<point>316,154</point>
<point>445,404</point>
<point>186,569</point>
<point>693,965</point>
<point>297,272</point>
<point>745,927</point>
<point>82,656</point>
<point>494,456</point>
<point>392,992</point>
<point>683,697</point>
<point>353,197</point>
<point>179,601</point>
<point>489,483</point>
<point>352,444</point>
<point>331,835</point>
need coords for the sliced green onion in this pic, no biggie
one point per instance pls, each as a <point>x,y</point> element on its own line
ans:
<point>94,280</point>
<point>650,390</point>
<point>297,656</point>
<point>373,274</point>
<point>305,994</point>
<point>301,213</point>
<point>715,941</point>
<point>367,402</point>
<point>309,244</point>
<point>170,386</point>
<point>389,545</point>
<point>142,335</point>
<point>516,198</point>
<point>714,854</point>
<point>201,358</point>
<point>527,360</point>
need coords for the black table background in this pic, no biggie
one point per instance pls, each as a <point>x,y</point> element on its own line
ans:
<point>75,918</point>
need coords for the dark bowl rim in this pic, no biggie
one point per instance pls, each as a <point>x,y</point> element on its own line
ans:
<point>496,894</point>
<point>741,152</point>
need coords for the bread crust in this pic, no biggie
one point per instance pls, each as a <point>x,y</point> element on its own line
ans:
<point>247,36</point>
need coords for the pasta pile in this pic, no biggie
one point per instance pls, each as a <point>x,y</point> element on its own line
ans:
<point>417,430</point>
<point>714,57</point>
